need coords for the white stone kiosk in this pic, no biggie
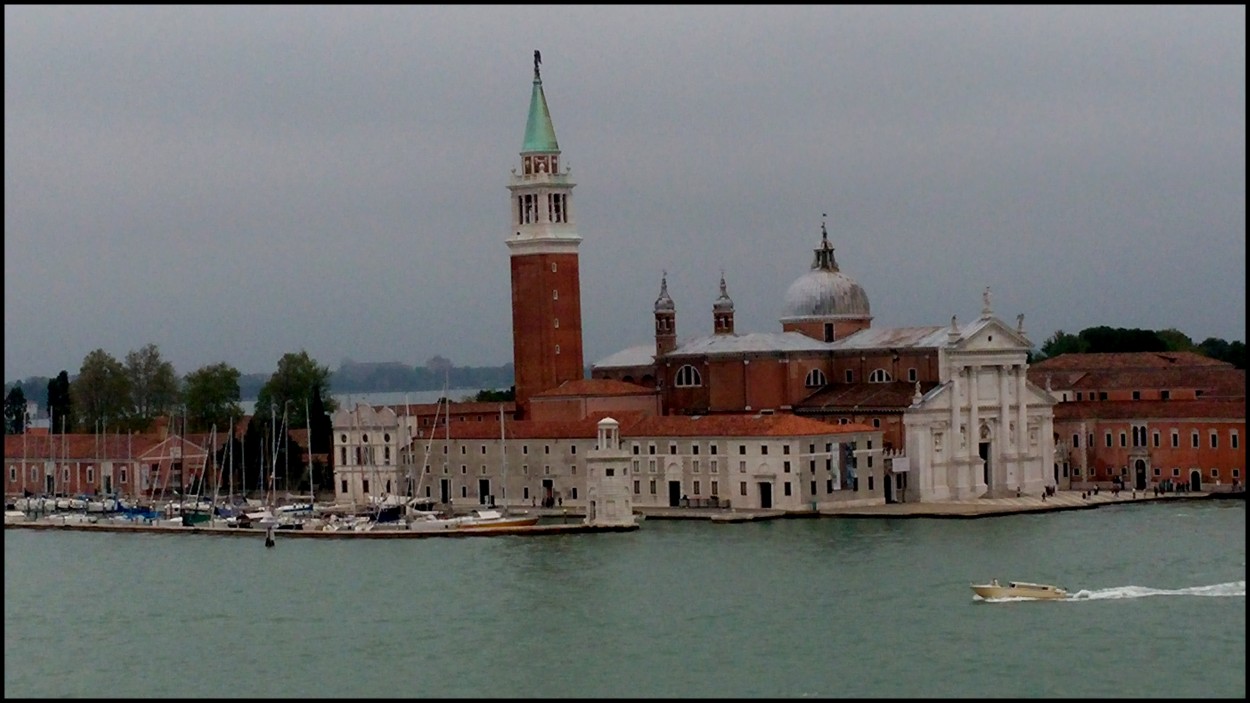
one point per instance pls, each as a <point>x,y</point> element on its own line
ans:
<point>608,500</point>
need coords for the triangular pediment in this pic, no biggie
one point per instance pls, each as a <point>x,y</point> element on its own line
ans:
<point>991,334</point>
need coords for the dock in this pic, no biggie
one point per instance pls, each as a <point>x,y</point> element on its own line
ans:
<point>382,533</point>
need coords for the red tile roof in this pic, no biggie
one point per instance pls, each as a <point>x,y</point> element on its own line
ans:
<point>594,387</point>
<point>834,397</point>
<point>1217,410</point>
<point>1127,360</point>
<point>635,424</point>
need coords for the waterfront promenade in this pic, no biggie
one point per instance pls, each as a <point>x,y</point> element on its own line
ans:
<point>978,508</point>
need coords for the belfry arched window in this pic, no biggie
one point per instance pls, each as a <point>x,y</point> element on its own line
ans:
<point>815,379</point>
<point>688,376</point>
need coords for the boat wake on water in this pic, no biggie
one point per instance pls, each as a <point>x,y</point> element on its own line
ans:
<point>1232,589</point>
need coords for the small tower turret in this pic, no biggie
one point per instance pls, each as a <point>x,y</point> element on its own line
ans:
<point>723,311</point>
<point>665,320</point>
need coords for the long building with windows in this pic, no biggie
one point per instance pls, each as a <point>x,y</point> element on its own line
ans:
<point>1146,419</point>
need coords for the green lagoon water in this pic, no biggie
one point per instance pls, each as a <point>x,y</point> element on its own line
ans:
<point>786,608</point>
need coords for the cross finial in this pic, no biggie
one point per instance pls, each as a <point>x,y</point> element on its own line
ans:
<point>538,58</point>
<point>824,233</point>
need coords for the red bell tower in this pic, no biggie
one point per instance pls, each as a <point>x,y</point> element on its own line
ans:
<point>546,288</point>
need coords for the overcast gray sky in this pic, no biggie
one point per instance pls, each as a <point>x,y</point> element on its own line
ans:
<point>235,183</point>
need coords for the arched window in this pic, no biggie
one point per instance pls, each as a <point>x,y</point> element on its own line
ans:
<point>815,379</point>
<point>879,376</point>
<point>688,376</point>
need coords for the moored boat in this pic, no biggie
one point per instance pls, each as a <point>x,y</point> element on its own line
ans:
<point>1018,589</point>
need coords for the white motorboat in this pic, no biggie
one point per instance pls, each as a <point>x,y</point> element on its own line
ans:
<point>423,521</point>
<point>1018,589</point>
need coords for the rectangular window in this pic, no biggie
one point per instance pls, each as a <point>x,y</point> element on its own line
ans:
<point>764,450</point>
<point>365,485</point>
<point>711,449</point>
<point>1102,395</point>
<point>714,487</point>
<point>637,487</point>
<point>672,448</point>
<point>652,486</point>
<point>911,376</point>
<point>635,448</point>
<point>90,475</point>
<point>742,467</point>
<point>1176,439</point>
<point>572,449</point>
<point>786,467</point>
<point>651,449</point>
<point>850,376</point>
<point>785,488</point>
<point>712,468</point>
<point>1194,439</point>
<point>694,449</point>
<point>1123,440</point>
<point>696,488</point>
<point>124,479</point>
<point>742,487</point>
<point>785,449</point>
<point>1232,439</point>
<point>742,449</point>
<point>1164,395</point>
<point>1136,395</point>
<point>1154,438</point>
<point>829,485</point>
<point>813,487</point>
<point>1215,441</point>
<point>1108,439</point>
<point>1076,441</point>
<point>694,465</point>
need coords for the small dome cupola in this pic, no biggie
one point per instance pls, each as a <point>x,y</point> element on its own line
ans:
<point>664,303</point>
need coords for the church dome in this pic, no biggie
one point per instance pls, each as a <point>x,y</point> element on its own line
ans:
<point>821,293</point>
<point>825,291</point>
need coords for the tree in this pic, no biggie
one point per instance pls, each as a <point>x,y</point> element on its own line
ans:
<point>1176,340</point>
<point>1231,352</point>
<point>1062,343</point>
<point>153,385</point>
<point>296,381</point>
<point>493,396</point>
<point>15,411</point>
<point>212,396</point>
<point>320,426</point>
<point>101,393</point>
<point>60,405</point>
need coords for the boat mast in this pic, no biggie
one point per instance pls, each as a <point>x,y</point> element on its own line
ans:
<point>312,485</point>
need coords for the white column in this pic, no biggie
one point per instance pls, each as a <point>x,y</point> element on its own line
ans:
<point>1022,422</point>
<point>1004,467</point>
<point>974,417</point>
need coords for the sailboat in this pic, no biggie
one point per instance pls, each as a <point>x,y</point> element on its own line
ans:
<point>480,519</point>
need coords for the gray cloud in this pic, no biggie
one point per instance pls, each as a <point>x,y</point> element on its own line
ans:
<point>233,183</point>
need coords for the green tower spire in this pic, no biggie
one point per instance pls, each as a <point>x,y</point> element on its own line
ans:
<point>540,136</point>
